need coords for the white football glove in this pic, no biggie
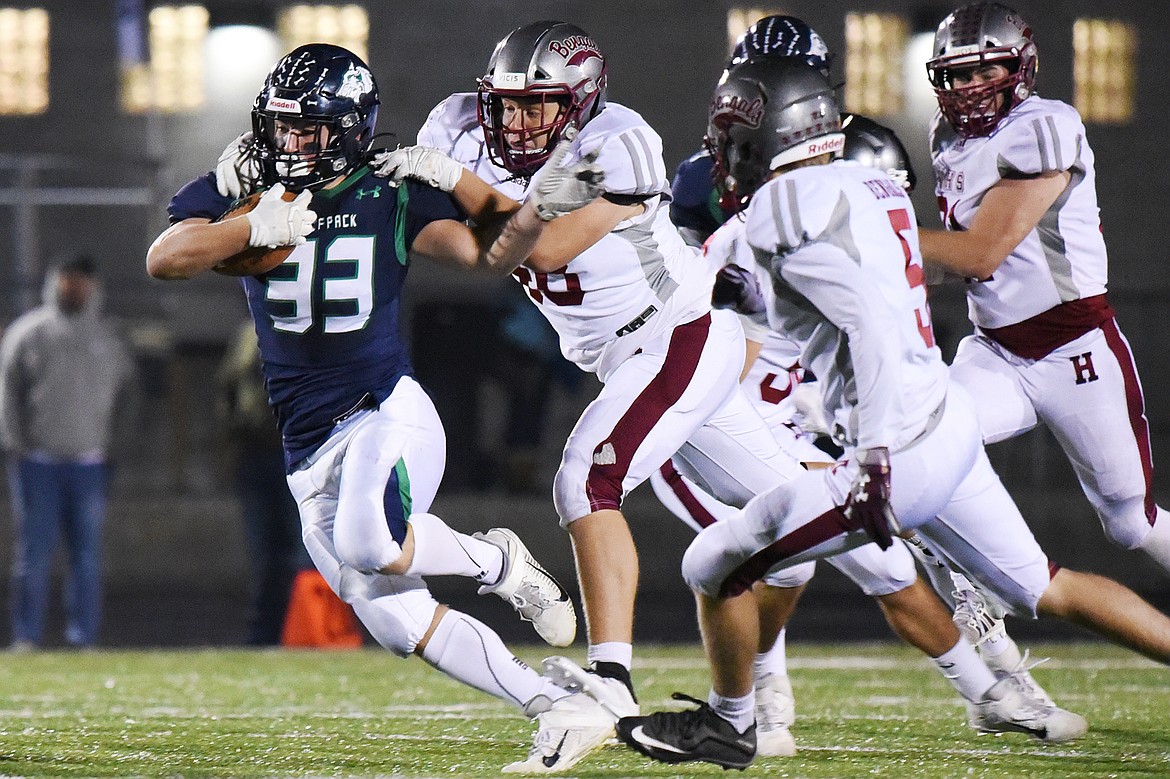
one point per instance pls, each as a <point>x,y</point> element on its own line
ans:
<point>422,163</point>
<point>278,222</point>
<point>809,412</point>
<point>237,173</point>
<point>558,191</point>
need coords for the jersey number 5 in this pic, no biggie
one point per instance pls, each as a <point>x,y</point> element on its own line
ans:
<point>915,276</point>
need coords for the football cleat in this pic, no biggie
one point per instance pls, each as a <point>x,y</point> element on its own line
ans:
<point>1021,673</point>
<point>979,624</point>
<point>973,615</point>
<point>695,734</point>
<point>532,591</point>
<point>1009,707</point>
<point>775,713</point>
<point>610,693</point>
<point>569,730</point>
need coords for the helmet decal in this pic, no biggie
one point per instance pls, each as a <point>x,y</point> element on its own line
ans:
<point>734,108</point>
<point>356,82</point>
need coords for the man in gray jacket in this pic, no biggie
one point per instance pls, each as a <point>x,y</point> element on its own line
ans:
<point>61,367</point>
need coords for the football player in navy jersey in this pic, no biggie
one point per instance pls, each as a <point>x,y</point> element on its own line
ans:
<point>364,448</point>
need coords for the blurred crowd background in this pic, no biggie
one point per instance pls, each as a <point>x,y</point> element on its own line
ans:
<point>107,108</point>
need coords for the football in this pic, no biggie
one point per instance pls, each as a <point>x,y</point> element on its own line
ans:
<point>255,259</point>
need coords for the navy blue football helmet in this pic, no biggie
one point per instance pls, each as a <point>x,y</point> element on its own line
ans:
<point>781,36</point>
<point>314,118</point>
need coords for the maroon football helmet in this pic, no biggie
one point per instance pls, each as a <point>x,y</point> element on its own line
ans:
<point>971,37</point>
<point>550,61</point>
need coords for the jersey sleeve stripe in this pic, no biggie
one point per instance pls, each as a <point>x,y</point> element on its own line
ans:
<point>1056,150</point>
<point>640,184</point>
<point>655,165</point>
<point>1047,137</point>
<point>790,225</point>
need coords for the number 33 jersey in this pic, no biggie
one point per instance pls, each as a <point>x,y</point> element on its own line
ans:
<point>837,245</point>
<point>637,282</point>
<point>328,316</point>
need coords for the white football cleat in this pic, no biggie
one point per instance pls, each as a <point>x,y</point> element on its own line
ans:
<point>973,615</point>
<point>532,591</point>
<point>572,728</point>
<point>978,623</point>
<point>610,693</point>
<point>1009,707</point>
<point>775,714</point>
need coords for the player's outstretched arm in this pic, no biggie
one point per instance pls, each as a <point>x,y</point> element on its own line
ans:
<point>482,204</point>
<point>196,245</point>
<point>1009,212</point>
<point>558,192</point>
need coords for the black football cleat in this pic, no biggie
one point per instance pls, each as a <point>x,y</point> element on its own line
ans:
<point>695,734</point>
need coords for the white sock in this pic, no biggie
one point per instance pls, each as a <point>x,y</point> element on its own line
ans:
<point>961,666</point>
<point>1001,653</point>
<point>440,551</point>
<point>774,661</point>
<point>740,712</point>
<point>611,652</point>
<point>470,652</point>
<point>1157,542</point>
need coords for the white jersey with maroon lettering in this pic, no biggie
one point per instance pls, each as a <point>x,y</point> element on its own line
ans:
<point>835,248</point>
<point>636,283</point>
<point>1063,258</point>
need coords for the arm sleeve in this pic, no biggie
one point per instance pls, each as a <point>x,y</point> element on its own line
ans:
<point>1041,143</point>
<point>198,198</point>
<point>832,281</point>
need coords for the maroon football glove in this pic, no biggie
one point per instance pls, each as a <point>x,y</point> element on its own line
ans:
<point>868,505</point>
<point>737,289</point>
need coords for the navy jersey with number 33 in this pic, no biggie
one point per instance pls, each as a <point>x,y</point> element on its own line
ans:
<point>328,317</point>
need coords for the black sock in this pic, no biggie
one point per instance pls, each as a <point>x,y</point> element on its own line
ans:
<point>614,671</point>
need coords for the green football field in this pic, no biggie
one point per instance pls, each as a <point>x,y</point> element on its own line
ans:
<point>862,711</point>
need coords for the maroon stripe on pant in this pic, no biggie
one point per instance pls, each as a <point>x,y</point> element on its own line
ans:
<point>828,525</point>
<point>612,457</point>
<point>1137,409</point>
<point>682,491</point>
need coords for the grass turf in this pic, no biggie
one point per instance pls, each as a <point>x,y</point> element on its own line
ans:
<point>862,711</point>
